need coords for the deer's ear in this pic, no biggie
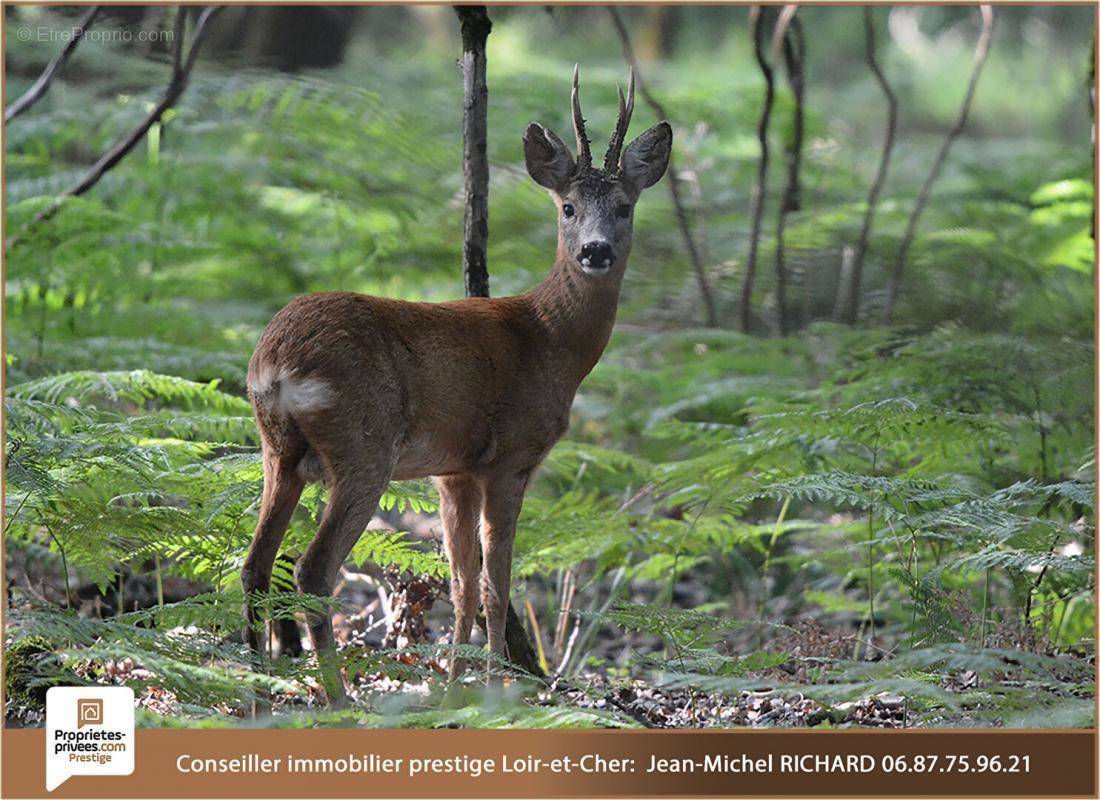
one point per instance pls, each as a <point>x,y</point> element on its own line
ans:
<point>645,160</point>
<point>549,161</point>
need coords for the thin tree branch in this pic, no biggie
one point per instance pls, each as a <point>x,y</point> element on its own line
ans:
<point>181,74</point>
<point>1091,87</point>
<point>42,85</point>
<point>756,14</point>
<point>850,311</point>
<point>65,565</point>
<point>690,175</point>
<point>794,61</point>
<point>981,51</point>
<point>476,26</point>
<point>779,34</point>
<point>179,31</point>
<point>673,175</point>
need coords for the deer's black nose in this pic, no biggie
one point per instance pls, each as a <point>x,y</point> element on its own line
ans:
<point>597,256</point>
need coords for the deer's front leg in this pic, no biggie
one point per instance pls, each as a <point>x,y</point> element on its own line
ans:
<point>459,507</point>
<point>503,500</point>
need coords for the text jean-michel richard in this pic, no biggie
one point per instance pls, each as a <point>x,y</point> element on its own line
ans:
<point>505,764</point>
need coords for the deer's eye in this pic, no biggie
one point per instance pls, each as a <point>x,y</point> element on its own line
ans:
<point>567,210</point>
<point>623,211</point>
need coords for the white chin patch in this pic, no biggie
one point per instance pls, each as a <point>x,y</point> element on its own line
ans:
<point>595,269</point>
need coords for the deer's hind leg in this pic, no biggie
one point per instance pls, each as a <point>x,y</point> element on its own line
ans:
<point>282,488</point>
<point>357,469</point>
<point>460,502</point>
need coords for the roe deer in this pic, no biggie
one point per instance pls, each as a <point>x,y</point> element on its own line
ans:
<point>357,391</point>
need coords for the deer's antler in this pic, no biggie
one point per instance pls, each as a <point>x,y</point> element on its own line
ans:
<point>618,137</point>
<point>584,150</point>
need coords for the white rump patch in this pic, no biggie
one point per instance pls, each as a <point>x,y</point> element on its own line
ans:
<point>297,396</point>
<point>281,391</point>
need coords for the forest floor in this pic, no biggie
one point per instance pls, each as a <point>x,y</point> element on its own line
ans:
<point>388,608</point>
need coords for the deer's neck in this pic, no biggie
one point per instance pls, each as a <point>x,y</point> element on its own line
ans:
<point>579,313</point>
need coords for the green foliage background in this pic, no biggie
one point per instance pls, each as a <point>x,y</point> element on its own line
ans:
<point>924,493</point>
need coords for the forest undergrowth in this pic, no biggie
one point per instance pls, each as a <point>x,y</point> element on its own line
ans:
<point>868,524</point>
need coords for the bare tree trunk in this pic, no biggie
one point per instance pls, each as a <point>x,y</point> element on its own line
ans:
<point>850,308</point>
<point>181,74</point>
<point>981,51</point>
<point>476,25</point>
<point>42,85</point>
<point>756,25</point>
<point>475,158</point>
<point>705,292</point>
<point>794,60</point>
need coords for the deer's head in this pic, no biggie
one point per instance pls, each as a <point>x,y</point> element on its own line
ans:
<point>596,206</point>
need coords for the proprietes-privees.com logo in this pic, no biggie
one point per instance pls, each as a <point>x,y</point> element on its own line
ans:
<point>89,731</point>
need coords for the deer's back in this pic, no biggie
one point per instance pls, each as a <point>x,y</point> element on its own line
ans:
<point>464,384</point>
